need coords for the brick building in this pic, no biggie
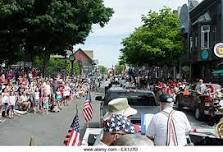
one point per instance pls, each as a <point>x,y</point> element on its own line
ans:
<point>85,58</point>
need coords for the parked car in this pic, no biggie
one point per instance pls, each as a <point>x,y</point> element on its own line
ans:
<point>142,100</point>
<point>204,106</point>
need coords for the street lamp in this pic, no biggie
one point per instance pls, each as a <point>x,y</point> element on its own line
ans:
<point>72,58</point>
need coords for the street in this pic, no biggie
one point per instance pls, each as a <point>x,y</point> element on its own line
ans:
<point>45,130</point>
<point>50,130</point>
<point>168,52</point>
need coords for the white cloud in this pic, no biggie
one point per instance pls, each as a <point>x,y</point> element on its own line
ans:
<point>126,18</point>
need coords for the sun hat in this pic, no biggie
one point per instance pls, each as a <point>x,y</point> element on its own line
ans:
<point>119,106</point>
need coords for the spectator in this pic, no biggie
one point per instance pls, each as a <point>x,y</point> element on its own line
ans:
<point>36,102</point>
<point>12,102</point>
<point>1,109</point>
<point>201,87</point>
<point>23,102</point>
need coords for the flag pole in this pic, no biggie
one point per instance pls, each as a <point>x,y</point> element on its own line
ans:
<point>31,141</point>
<point>88,96</point>
<point>87,124</point>
<point>76,109</point>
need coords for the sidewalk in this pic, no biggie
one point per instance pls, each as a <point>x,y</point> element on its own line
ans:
<point>45,130</point>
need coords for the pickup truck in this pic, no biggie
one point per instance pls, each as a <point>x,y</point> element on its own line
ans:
<point>142,100</point>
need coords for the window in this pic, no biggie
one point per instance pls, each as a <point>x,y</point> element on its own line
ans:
<point>205,33</point>
<point>191,43</point>
<point>195,45</point>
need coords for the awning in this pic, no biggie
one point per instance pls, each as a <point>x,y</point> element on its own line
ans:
<point>218,72</point>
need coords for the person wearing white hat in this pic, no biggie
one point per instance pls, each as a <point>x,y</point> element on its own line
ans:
<point>119,106</point>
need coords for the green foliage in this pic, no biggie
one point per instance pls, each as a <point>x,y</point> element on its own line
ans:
<point>44,27</point>
<point>37,62</point>
<point>56,65</point>
<point>119,68</point>
<point>102,69</point>
<point>157,41</point>
<point>77,68</point>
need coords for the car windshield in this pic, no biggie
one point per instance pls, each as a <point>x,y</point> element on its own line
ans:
<point>134,98</point>
<point>141,101</point>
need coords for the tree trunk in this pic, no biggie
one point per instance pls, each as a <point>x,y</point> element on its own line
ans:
<point>174,72</point>
<point>46,58</point>
<point>29,53</point>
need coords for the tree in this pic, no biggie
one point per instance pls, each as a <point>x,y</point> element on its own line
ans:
<point>102,69</point>
<point>57,65</point>
<point>156,42</point>
<point>44,27</point>
<point>119,68</point>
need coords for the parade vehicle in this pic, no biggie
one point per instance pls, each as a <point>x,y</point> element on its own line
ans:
<point>194,138</point>
<point>206,106</point>
<point>142,100</point>
<point>207,138</point>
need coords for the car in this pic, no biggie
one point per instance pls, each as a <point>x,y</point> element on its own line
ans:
<point>142,100</point>
<point>203,106</point>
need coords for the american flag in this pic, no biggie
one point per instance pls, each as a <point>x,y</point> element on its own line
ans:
<point>72,138</point>
<point>88,110</point>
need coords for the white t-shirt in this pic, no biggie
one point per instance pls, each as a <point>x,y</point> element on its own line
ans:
<point>36,95</point>
<point>107,83</point>
<point>158,127</point>
<point>24,98</point>
<point>12,100</point>
<point>201,88</point>
<point>5,99</point>
<point>67,91</point>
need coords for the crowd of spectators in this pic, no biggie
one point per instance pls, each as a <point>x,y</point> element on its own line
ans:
<point>24,90</point>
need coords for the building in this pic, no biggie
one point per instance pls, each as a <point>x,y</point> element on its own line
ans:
<point>205,31</point>
<point>85,58</point>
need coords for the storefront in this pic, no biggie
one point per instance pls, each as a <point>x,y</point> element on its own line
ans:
<point>206,30</point>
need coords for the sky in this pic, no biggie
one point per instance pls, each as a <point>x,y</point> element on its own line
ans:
<point>106,41</point>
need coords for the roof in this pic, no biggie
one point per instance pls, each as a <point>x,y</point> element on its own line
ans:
<point>193,4</point>
<point>89,53</point>
<point>201,8</point>
<point>84,53</point>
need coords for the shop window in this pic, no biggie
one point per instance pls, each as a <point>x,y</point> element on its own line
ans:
<point>205,36</point>
<point>196,42</point>
<point>191,43</point>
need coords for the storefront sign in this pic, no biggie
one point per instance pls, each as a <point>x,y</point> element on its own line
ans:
<point>204,54</point>
<point>218,50</point>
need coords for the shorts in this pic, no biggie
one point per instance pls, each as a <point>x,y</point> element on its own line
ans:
<point>58,98</point>
<point>11,107</point>
<point>36,102</point>
<point>46,105</point>
<point>5,106</point>
<point>67,97</point>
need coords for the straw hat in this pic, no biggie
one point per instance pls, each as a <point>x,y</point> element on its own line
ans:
<point>119,106</point>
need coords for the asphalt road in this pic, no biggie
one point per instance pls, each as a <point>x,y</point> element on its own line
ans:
<point>45,130</point>
<point>50,130</point>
